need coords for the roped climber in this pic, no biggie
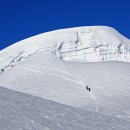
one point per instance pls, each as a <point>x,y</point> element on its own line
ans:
<point>2,70</point>
<point>87,88</point>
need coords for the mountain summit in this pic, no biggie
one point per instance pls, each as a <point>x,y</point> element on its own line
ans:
<point>80,44</point>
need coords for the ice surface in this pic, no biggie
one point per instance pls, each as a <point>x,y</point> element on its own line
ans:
<point>86,44</point>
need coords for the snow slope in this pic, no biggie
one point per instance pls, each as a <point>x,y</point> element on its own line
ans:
<point>39,66</point>
<point>46,76</point>
<point>20,111</point>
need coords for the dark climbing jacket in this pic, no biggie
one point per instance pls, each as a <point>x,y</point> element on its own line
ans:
<point>2,70</point>
<point>87,88</point>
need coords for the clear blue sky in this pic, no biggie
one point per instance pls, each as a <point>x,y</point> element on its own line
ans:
<point>20,19</point>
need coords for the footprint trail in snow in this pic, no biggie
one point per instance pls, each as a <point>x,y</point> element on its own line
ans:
<point>77,79</point>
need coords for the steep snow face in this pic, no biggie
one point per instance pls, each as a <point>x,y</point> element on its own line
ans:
<point>86,44</point>
<point>93,45</point>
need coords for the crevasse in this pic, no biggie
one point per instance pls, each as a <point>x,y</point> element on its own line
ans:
<point>86,48</point>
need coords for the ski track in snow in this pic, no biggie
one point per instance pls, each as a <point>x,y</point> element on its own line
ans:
<point>63,72</point>
<point>20,57</point>
<point>110,79</point>
<point>93,97</point>
<point>80,82</point>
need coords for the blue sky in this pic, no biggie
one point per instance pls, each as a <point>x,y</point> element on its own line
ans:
<point>20,19</point>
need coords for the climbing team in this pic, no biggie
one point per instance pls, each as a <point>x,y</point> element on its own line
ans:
<point>2,70</point>
<point>87,88</point>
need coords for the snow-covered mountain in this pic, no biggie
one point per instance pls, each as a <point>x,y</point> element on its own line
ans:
<point>86,44</point>
<point>58,65</point>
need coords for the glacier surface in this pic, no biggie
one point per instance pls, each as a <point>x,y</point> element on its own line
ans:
<point>56,67</point>
<point>81,44</point>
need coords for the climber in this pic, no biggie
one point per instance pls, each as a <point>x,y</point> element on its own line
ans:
<point>2,70</point>
<point>87,88</point>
